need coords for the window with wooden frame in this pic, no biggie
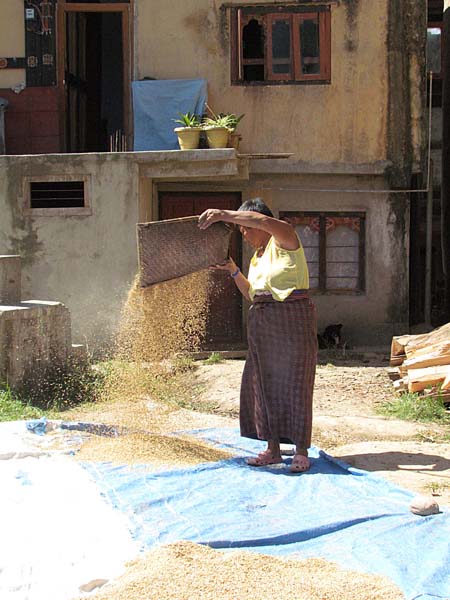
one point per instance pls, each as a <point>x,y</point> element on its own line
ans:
<point>281,45</point>
<point>334,245</point>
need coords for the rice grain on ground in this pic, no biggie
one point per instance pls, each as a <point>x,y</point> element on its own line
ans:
<point>187,571</point>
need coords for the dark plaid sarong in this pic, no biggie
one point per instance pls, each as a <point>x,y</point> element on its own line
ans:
<point>278,378</point>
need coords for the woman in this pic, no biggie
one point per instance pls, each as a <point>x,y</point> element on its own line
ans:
<point>278,378</point>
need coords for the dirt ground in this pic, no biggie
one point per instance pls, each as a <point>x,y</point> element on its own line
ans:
<point>346,425</point>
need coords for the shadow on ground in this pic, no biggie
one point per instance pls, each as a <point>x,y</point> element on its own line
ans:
<point>393,461</point>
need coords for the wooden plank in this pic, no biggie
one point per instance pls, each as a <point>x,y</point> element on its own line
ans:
<point>400,385</point>
<point>419,379</point>
<point>446,384</point>
<point>429,359</point>
<point>441,334</point>
<point>403,371</point>
<point>393,374</point>
<point>398,344</point>
<point>442,347</point>
<point>96,7</point>
<point>437,393</point>
<point>397,360</point>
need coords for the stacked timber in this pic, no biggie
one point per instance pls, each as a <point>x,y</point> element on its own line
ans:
<point>422,362</point>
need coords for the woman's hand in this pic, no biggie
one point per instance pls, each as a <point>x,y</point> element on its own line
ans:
<point>229,265</point>
<point>208,217</point>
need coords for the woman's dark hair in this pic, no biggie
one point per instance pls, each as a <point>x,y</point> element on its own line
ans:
<point>256,205</point>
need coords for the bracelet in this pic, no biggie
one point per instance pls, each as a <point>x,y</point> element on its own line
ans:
<point>236,273</point>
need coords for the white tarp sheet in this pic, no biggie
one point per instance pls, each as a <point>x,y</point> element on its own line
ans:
<point>57,532</point>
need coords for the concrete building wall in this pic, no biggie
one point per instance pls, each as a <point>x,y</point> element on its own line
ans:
<point>87,262</point>
<point>342,122</point>
<point>364,130</point>
<point>372,108</point>
<point>380,311</point>
<point>370,317</point>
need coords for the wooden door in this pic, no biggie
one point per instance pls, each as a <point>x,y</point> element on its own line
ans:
<point>224,326</point>
<point>83,67</point>
<point>76,82</point>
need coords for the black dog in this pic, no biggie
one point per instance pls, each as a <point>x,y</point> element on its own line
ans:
<point>331,337</point>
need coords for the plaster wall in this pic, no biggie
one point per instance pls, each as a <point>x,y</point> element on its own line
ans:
<point>341,122</point>
<point>12,40</point>
<point>86,262</point>
<point>89,262</point>
<point>381,311</point>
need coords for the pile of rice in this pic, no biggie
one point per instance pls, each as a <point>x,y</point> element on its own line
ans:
<point>187,571</point>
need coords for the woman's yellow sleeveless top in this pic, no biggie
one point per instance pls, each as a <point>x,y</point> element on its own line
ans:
<point>278,271</point>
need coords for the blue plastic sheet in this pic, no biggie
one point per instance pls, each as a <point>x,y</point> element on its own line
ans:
<point>332,511</point>
<point>38,426</point>
<point>157,103</point>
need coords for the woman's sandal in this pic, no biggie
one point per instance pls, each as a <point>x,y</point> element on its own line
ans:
<point>299,464</point>
<point>263,459</point>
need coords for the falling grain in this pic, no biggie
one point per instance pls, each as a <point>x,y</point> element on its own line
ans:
<point>164,320</point>
<point>159,324</point>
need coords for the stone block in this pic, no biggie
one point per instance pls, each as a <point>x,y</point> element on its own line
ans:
<point>33,336</point>
<point>10,279</point>
<point>54,329</point>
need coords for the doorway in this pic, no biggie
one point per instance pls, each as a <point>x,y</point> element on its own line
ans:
<point>224,324</point>
<point>94,59</point>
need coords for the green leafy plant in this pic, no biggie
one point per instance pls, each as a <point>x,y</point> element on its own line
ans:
<point>412,407</point>
<point>214,358</point>
<point>433,436</point>
<point>233,121</point>
<point>437,488</point>
<point>228,120</point>
<point>13,409</point>
<point>183,364</point>
<point>188,120</point>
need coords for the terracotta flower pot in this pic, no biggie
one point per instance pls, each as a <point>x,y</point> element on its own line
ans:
<point>217,137</point>
<point>188,137</point>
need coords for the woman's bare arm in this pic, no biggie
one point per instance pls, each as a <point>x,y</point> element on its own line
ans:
<point>240,280</point>
<point>283,232</point>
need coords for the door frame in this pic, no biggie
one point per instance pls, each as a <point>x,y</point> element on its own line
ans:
<point>125,8</point>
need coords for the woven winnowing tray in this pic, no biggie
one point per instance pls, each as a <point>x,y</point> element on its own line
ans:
<point>177,247</point>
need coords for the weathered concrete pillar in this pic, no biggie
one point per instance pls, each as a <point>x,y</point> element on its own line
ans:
<point>10,279</point>
<point>34,336</point>
<point>3,106</point>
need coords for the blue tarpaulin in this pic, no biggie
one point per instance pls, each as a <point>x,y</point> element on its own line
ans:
<point>332,511</point>
<point>157,103</point>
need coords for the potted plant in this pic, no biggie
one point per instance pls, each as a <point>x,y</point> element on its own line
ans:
<point>189,132</point>
<point>217,132</point>
<point>235,138</point>
<point>220,128</point>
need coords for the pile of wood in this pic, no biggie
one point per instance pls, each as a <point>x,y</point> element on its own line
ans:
<point>422,362</point>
